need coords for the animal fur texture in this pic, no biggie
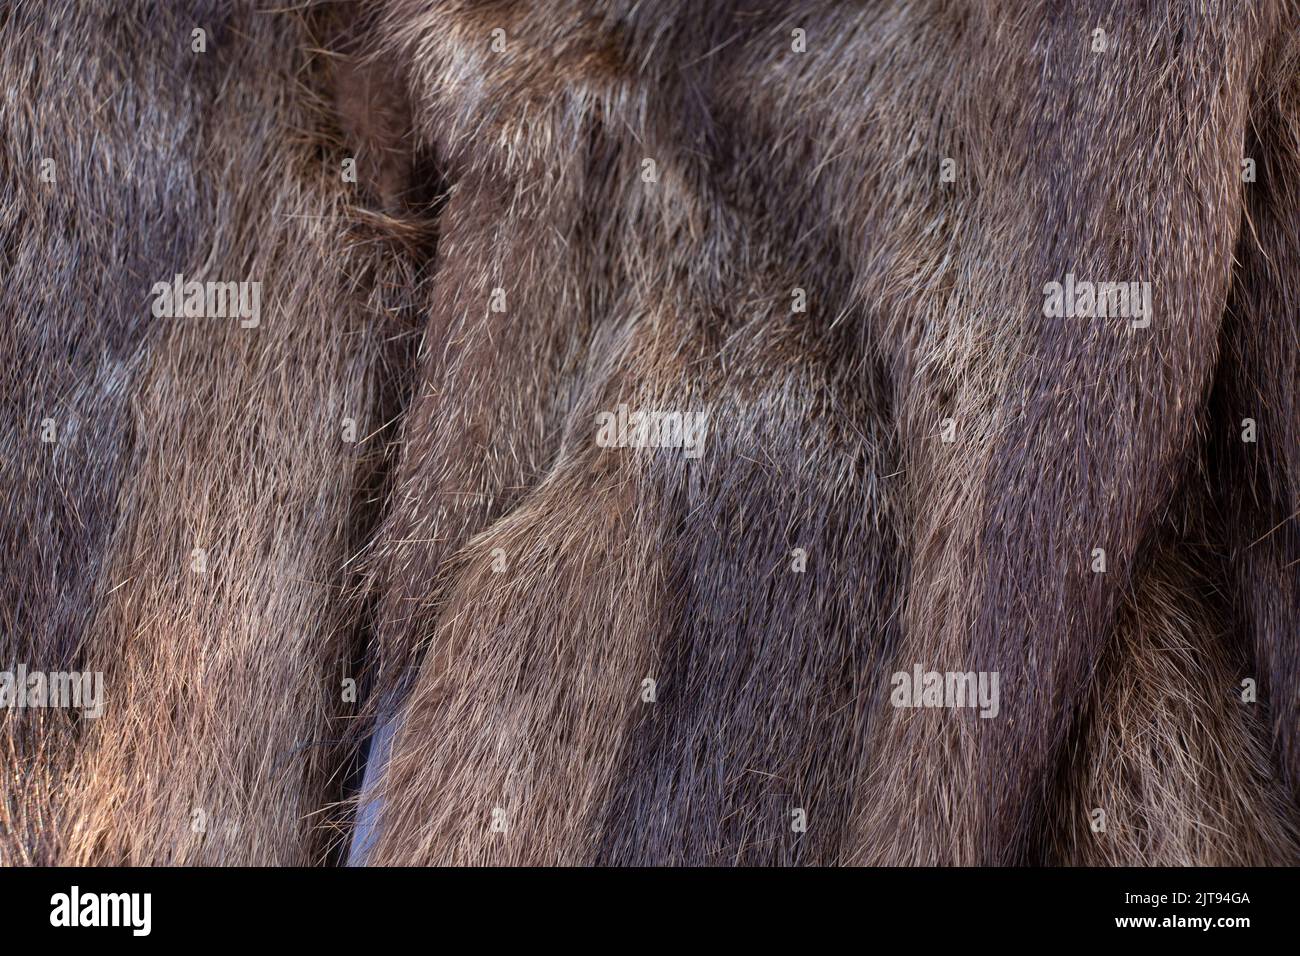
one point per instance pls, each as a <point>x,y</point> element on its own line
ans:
<point>571,653</point>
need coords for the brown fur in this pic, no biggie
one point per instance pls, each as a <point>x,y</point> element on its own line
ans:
<point>222,686</point>
<point>704,779</point>
<point>513,694</point>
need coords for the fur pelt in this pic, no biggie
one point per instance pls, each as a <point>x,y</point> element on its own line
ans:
<point>570,653</point>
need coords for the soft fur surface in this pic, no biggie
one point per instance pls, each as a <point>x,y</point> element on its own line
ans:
<point>500,586</point>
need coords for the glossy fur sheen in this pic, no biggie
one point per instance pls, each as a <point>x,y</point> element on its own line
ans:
<point>501,586</point>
